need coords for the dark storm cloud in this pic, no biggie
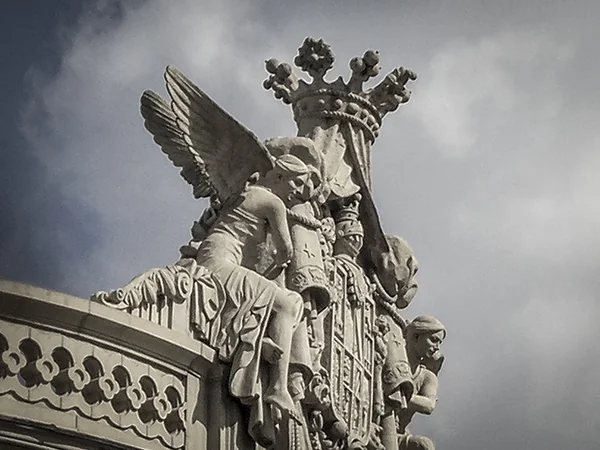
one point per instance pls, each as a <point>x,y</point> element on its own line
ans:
<point>36,218</point>
<point>490,172</point>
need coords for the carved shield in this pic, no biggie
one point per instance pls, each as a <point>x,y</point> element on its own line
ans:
<point>349,350</point>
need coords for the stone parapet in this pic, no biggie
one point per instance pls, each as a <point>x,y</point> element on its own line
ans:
<point>78,374</point>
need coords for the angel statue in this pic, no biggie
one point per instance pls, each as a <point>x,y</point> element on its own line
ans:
<point>251,194</point>
<point>252,298</point>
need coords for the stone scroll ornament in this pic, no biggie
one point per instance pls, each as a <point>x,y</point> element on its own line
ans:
<point>305,287</point>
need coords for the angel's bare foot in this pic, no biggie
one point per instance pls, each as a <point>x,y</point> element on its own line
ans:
<point>270,351</point>
<point>281,399</point>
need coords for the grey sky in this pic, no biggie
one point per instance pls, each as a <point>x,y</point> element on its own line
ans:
<point>490,172</point>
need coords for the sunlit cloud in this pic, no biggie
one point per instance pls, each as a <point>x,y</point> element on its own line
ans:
<point>467,80</point>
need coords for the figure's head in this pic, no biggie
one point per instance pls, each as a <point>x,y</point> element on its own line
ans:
<point>424,336</point>
<point>396,270</point>
<point>291,178</point>
<point>298,163</point>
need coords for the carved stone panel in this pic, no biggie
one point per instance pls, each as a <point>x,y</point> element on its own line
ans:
<point>64,373</point>
<point>349,357</point>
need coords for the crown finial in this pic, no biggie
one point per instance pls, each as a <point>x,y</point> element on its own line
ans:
<point>315,58</point>
<point>338,100</point>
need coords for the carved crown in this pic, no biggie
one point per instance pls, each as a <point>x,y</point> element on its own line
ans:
<point>339,100</point>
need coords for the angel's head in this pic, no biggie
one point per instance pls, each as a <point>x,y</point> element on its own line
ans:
<point>292,179</point>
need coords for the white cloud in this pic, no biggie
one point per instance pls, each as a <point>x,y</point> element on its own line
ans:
<point>530,166</point>
<point>551,214</point>
<point>467,80</point>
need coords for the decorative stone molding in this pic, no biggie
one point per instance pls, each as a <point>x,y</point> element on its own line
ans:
<point>128,332</point>
<point>64,373</point>
<point>93,377</point>
<point>160,294</point>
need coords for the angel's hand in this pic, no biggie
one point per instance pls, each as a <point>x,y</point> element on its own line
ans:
<point>283,259</point>
<point>287,252</point>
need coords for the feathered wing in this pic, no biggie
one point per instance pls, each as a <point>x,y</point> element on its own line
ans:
<point>216,153</point>
<point>161,122</point>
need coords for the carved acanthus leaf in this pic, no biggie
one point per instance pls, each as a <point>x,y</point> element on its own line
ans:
<point>175,282</point>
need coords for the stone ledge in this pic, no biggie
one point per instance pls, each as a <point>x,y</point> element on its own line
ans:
<point>34,305</point>
<point>31,434</point>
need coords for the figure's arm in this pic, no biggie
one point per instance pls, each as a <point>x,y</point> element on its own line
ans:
<point>424,401</point>
<point>275,213</point>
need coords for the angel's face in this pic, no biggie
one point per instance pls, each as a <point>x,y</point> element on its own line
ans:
<point>300,187</point>
<point>292,186</point>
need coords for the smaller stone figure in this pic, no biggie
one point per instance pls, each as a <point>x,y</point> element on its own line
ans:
<point>424,336</point>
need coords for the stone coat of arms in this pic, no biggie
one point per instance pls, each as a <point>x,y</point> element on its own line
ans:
<point>288,274</point>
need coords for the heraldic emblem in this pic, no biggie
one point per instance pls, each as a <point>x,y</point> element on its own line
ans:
<point>288,274</point>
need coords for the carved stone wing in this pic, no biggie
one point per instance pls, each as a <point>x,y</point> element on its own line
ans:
<point>216,153</point>
<point>161,121</point>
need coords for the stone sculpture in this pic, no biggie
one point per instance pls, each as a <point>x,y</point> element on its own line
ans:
<point>289,275</point>
<point>425,335</point>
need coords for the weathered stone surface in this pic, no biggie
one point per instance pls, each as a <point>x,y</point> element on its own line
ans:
<point>279,327</point>
<point>67,357</point>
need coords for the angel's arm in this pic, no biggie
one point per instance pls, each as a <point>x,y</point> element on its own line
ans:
<point>276,214</point>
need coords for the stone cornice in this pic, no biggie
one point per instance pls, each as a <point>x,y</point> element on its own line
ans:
<point>42,307</point>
